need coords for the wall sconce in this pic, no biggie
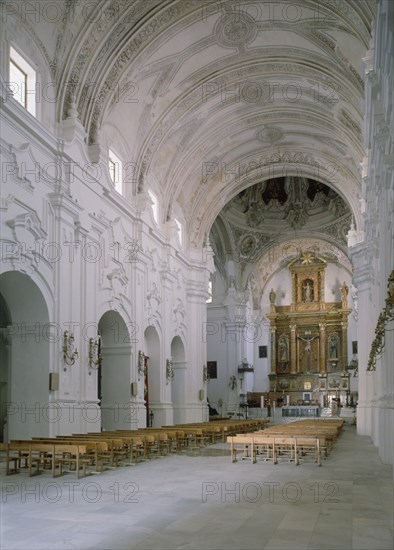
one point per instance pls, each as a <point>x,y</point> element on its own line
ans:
<point>141,364</point>
<point>70,354</point>
<point>205,374</point>
<point>233,382</point>
<point>384,318</point>
<point>169,371</point>
<point>94,355</point>
<point>242,368</point>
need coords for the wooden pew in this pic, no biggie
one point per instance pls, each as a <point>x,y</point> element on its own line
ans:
<point>307,446</point>
<point>251,446</point>
<point>325,440</point>
<point>97,451</point>
<point>133,443</point>
<point>195,435</point>
<point>259,446</point>
<point>40,454</point>
<point>114,450</point>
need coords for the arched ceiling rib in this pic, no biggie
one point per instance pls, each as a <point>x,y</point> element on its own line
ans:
<point>177,78</point>
<point>264,218</point>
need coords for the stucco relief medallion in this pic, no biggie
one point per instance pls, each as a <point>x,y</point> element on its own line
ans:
<point>235,29</point>
<point>284,383</point>
<point>269,134</point>
<point>248,245</point>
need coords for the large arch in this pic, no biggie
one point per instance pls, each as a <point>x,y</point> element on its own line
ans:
<point>115,374</point>
<point>177,99</point>
<point>5,322</point>
<point>26,339</point>
<point>154,375</point>
<point>207,205</point>
<point>178,388</point>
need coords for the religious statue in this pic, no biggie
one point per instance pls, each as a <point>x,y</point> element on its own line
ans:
<point>344,291</point>
<point>308,292</point>
<point>308,341</point>
<point>333,348</point>
<point>283,350</point>
<point>272,296</point>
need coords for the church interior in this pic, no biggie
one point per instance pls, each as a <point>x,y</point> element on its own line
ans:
<point>197,251</point>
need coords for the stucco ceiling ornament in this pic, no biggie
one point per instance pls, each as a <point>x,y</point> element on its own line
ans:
<point>270,135</point>
<point>153,300</point>
<point>235,29</point>
<point>307,258</point>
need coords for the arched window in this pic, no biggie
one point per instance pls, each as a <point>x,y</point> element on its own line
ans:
<point>22,81</point>
<point>210,291</point>
<point>180,230</point>
<point>155,205</point>
<point>115,167</point>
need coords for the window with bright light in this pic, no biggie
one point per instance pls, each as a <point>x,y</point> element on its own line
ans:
<point>155,205</point>
<point>179,226</point>
<point>115,168</point>
<point>210,286</point>
<point>22,81</point>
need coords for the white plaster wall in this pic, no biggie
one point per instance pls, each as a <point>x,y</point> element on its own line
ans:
<point>89,251</point>
<point>372,245</point>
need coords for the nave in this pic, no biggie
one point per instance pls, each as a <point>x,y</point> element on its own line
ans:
<point>199,499</point>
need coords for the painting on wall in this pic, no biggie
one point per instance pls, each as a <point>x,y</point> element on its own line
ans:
<point>345,384</point>
<point>263,352</point>
<point>212,369</point>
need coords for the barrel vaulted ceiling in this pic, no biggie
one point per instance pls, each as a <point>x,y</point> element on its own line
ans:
<point>209,98</point>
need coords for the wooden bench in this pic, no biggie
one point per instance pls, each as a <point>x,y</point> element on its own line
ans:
<point>325,441</point>
<point>272,448</point>
<point>115,451</point>
<point>251,446</point>
<point>308,446</point>
<point>41,454</point>
<point>133,443</point>
<point>97,451</point>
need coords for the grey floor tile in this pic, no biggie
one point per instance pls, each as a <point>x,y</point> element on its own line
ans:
<point>203,501</point>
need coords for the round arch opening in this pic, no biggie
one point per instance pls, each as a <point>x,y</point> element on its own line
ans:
<point>114,374</point>
<point>153,377</point>
<point>26,342</point>
<point>178,385</point>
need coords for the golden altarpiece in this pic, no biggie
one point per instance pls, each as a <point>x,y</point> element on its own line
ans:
<point>309,339</point>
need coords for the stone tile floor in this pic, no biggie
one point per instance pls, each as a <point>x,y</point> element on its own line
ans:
<point>200,500</point>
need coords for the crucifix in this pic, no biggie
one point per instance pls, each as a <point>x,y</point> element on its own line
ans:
<point>308,339</point>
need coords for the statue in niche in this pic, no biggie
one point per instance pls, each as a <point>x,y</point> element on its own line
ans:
<point>283,350</point>
<point>333,347</point>
<point>272,296</point>
<point>308,291</point>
